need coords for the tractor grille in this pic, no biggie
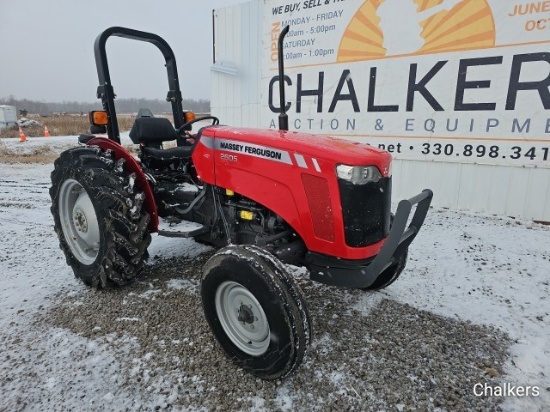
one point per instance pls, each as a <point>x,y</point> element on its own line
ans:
<point>318,198</point>
<point>366,210</point>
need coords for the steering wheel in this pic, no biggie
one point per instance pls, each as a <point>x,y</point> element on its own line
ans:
<point>184,129</point>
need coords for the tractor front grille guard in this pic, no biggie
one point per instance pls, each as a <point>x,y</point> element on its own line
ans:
<point>363,273</point>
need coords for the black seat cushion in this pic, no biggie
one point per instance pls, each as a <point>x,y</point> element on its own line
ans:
<point>152,130</point>
<point>168,155</point>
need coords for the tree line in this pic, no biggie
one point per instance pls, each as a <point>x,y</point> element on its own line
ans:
<point>122,106</point>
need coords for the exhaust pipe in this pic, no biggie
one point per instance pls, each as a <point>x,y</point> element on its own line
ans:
<point>283,117</point>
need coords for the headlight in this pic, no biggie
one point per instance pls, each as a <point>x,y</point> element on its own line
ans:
<point>358,175</point>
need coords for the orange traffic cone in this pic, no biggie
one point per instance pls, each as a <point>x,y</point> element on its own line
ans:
<point>46,132</point>
<point>22,135</point>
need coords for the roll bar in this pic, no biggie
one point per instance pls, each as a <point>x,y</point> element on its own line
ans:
<point>105,90</point>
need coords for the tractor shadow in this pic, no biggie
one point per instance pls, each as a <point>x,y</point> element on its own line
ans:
<point>367,352</point>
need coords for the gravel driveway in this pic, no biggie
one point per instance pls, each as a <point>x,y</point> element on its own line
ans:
<point>368,352</point>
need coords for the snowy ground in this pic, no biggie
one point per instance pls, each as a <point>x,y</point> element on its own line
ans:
<point>486,270</point>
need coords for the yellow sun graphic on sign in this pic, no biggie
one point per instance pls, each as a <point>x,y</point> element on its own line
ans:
<point>383,28</point>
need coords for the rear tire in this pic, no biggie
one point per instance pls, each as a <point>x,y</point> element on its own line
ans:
<point>255,311</point>
<point>98,217</point>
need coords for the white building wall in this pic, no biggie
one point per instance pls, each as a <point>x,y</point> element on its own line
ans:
<point>236,71</point>
<point>520,192</point>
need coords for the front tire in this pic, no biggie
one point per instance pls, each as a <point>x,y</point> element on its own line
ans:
<point>259,320</point>
<point>98,217</point>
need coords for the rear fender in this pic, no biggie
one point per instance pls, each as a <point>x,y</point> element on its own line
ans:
<point>132,166</point>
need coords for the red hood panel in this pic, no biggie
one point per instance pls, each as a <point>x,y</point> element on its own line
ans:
<point>328,148</point>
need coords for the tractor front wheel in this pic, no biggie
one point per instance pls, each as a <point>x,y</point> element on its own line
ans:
<point>256,311</point>
<point>98,217</point>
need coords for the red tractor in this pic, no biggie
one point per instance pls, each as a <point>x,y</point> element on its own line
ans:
<point>266,197</point>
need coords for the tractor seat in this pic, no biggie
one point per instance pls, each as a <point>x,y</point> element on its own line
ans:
<point>152,131</point>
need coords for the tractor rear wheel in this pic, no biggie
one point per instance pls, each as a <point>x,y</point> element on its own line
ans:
<point>256,311</point>
<point>98,217</point>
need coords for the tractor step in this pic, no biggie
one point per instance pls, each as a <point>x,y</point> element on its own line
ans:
<point>181,228</point>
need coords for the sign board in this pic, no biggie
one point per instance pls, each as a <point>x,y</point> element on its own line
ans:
<point>439,80</point>
<point>8,116</point>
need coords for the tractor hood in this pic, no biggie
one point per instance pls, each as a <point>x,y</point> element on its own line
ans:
<point>337,151</point>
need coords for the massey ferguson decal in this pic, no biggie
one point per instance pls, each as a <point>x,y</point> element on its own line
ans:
<point>263,152</point>
<point>451,80</point>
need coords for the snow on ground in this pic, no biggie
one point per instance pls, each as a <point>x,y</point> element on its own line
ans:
<point>487,270</point>
<point>492,271</point>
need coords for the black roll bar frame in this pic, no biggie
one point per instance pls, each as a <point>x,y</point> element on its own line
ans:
<point>105,90</point>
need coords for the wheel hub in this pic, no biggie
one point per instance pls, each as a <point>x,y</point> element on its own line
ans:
<point>79,221</point>
<point>246,315</point>
<point>242,318</point>
<point>85,220</point>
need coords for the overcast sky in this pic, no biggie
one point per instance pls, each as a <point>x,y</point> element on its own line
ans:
<point>46,47</point>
